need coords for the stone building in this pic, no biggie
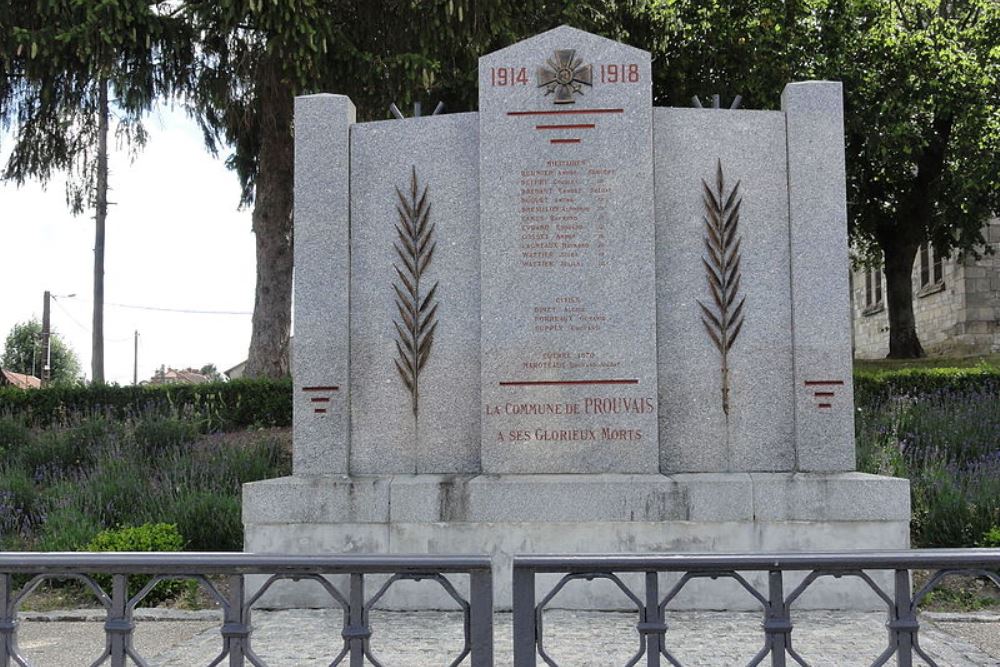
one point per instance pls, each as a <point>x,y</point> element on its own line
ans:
<point>956,302</point>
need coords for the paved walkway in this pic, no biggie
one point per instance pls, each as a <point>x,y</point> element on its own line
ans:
<point>581,639</point>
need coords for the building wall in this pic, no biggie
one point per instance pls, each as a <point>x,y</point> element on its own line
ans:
<point>960,315</point>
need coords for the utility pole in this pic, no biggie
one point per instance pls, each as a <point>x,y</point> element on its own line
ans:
<point>46,341</point>
<point>135,360</point>
<point>100,217</point>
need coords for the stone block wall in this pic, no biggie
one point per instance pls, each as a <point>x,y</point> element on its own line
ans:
<point>958,316</point>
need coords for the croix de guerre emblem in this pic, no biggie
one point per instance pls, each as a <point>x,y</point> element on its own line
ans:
<point>565,75</point>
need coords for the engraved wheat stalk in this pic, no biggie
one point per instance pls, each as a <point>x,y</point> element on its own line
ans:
<point>417,310</point>
<point>722,269</point>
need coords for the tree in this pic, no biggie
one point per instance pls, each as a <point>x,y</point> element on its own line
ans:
<point>212,373</point>
<point>71,70</point>
<point>23,353</point>
<point>923,133</point>
<point>255,56</point>
<point>922,105</point>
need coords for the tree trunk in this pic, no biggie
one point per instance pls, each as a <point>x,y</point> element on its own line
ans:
<point>903,341</point>
<point>100,217</point>
<point>272,226</point>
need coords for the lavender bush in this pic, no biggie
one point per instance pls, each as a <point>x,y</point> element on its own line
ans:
<point>947,442</point>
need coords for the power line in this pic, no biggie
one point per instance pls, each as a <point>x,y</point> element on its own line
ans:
<point>187,311</point>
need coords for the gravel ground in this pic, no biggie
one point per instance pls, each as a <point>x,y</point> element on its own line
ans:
<point>582,639</point>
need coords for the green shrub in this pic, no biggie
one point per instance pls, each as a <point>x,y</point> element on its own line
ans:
<point>992,537</point>
<point>57,453</point>
<point>155,435</point>
<point>121,491</point>
<point>147,537</point>
<point>22,506</point>
<point>13,437</point>
<point>209,521</point>
<point>872,387</point>
<point>67,529</point>
<point>215,406</point>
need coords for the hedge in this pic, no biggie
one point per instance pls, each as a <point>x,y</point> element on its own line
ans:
<point>239,404</point>
<point>876,386</point>
<point>219,406</point>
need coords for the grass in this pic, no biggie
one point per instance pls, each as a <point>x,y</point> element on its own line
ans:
<point>983,361</point>
<point>60,486</point>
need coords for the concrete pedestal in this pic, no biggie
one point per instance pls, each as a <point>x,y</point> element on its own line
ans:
<point>503,515</point>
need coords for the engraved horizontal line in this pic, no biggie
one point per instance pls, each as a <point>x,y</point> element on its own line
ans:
<point>320,411</point>
<point>564,141</point>
<point>562,112</point>
<point>818,394</point>
<point>320,399</point>
<point>824,405</point>
<point>568,126</point>
<point>812,383</point>
<point>549,383</point>
<point>330,388</point>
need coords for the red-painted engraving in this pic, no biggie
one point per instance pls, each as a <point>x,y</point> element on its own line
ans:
<point>320,411</point>
<point>620,73</point>
<point>812,383</point>
<point>564,141</point>
<point>824,406</point>
<point>550,383</point>
<point>822,394</point>
<point>330,388</point>
<point>567,126</point>
<point>320,399</point>
<point>562,112</point>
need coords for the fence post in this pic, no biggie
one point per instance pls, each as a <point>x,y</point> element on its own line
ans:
<point>903,624</point>
<point>119,626</point>
<point>8,620</point>
<point>357,631</point>
<point>653,625</point>
<point>236,627</point>
<point>481,616</point>
<point>524,617</point>
<point>777,621</point>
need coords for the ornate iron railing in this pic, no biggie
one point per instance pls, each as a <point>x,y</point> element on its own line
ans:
<point>236,605</point>
<point>652,639</point>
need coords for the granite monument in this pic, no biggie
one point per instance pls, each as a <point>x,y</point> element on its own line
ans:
<point>573,322</point>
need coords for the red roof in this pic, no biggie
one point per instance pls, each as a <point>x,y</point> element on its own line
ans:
<point>20,380</point>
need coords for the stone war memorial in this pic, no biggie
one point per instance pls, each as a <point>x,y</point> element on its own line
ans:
<point>573,322</point>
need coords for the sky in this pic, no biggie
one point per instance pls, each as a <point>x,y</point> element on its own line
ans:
<point>176,240</point>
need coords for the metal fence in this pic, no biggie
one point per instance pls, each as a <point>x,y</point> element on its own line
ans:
<point>223,577</point>
<point>235,645</point>
<point>776,604</point>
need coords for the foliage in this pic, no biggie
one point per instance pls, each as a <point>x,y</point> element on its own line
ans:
<point>223,406</point>
<point>23,353</point>
<point>940,429</point>
<point>62,484</point>
<point>55,56</point>
<point>147,537</point>
<point>922,79</point>
<point>992,538</point>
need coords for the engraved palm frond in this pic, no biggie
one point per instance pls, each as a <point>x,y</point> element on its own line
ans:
<point>416,307</point>
<point>723,316</point>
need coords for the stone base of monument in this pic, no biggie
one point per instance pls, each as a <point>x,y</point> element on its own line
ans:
<point>503,515</point>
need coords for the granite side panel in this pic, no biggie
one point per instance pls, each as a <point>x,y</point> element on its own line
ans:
<point>821,315</point>
<point>823,497</point>
<point>316,499</point>
<point>696,434</point>
<point>320,363</point>
<point>443,435</point>
<point>568,345</point>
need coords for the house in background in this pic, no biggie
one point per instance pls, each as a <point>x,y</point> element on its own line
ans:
<point>956,303</point>
<point>19,380</point>
<point>173,376</point>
